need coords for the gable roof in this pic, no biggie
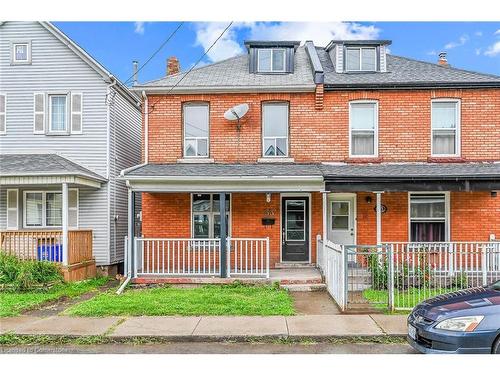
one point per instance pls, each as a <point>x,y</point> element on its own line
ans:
<point>403,72</point>
<point>233,75</point>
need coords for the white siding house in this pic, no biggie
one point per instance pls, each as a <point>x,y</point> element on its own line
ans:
<point>56,100</point>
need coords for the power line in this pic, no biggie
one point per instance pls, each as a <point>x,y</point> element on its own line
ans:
<point>156,52</point>
<point>194,66</point>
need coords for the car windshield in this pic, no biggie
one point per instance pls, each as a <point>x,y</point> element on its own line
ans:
<point>496,285</point>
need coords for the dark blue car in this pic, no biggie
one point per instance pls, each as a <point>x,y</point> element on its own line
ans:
<point>466,321</point>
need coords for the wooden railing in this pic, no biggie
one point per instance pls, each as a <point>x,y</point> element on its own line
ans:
<point>47,245</point>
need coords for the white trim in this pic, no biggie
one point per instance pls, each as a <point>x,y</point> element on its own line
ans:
<point>375,130</point>
<point>458,105</point>
<point>272,60</point>
<point>360,48</point>
<point>343,196</point>
<point>447,219</point>
<point>196,139</point>
<point>282,195</point>
<point>72,112</point>
<point>49,130</point>
<point>191,213</point>
<point>13,60</point>
<point>44,206</point>
<point>43,113</point>
<point>276,103</point>
<point>4,113</point>
<point>16,209</point>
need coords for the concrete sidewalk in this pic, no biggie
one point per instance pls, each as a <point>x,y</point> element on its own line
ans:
<point>210,327</point>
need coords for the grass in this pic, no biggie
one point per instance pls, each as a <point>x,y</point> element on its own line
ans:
<point>14,303</point>
<point>402,298</point>
<point>233,299</point>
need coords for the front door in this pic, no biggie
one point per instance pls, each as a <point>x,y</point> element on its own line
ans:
<point>295,229</point>
<point>341,221</point>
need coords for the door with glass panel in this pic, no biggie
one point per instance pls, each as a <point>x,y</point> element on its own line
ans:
<point>295,229</point>
<point>341,223</point>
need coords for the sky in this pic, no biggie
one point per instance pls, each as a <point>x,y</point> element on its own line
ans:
<point>470,45</point>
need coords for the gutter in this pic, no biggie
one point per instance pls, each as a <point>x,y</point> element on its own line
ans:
<point>410,86</point>
<point>224,89</point>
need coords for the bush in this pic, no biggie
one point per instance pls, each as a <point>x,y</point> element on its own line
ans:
<point>21,275</point>
<point>379,271</point>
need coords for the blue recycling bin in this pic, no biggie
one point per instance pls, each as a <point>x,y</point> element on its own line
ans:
<point>51,253</point>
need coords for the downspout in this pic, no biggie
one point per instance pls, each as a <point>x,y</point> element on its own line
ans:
<point>111,159</point>
<point>146,127</point>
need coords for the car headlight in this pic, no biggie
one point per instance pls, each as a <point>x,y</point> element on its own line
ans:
<point>461,324</point>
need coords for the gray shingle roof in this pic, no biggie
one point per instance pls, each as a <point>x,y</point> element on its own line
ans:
<point>227,170</point>
<point>234,73</point>
<point>42,165</point>
<point>411,171</point>
<point>402,71</point>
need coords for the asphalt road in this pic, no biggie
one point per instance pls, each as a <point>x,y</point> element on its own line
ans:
<point>214,348</point>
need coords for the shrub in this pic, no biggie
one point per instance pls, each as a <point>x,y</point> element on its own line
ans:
<point>379,271</point>
<point>23,275</point>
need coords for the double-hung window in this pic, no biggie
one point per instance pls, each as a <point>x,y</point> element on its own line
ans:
<point>21,53</point>
<point>43,209</point>
<point>196,129</point>
<point>58,114</point>
<point>275,129</point>
<point>445,127</point>
<point>363,126</point>
<point>271,60</point>
<point>361,59</point>
<point>428,217</point>
<point>206,215</point>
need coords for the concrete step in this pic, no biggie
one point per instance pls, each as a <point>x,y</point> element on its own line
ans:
<point>293,265</point>
<point>304,287</point>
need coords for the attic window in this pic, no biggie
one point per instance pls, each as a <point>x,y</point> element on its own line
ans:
<point>271,60</point>
<point>362,59</point>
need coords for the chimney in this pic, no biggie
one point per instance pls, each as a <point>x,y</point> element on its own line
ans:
<point>173,66</point>
<point>442,59</point>
<point>135,64</point>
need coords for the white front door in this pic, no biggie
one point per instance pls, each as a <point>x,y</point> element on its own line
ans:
<point>341,219</point>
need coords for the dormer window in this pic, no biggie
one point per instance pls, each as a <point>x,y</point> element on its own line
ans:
<point>362,59</point>
<point>271,60</point>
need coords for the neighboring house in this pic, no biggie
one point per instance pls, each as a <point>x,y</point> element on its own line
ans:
<point>67,129</point>
<point>346,142</point>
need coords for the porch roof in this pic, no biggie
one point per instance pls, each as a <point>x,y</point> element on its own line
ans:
<point>31,169</point>
<point>264,177</point>
<point>412,177</point>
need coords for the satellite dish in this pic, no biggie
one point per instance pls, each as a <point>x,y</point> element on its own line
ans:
<point>236,112</point>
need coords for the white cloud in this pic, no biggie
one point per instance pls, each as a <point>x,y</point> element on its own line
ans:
<point>493,50</point>
<point>432,53</point>
<point>320,33</point>
<point>461,41</point>
<point>478,51</point>
<point>139,28</point>
<point>478,33</point>
<point>497,32</point>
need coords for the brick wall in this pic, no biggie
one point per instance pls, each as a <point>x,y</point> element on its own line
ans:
<point>322,135</point>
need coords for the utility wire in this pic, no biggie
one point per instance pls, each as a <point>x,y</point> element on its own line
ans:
<point>194,66</point>
<point>156,52</point>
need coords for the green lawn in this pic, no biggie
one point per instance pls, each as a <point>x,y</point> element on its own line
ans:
<point>402,298</point>
<point>205,300</point>
<point>14,303</point>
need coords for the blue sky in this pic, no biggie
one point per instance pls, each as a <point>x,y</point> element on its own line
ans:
<point>470,45</point>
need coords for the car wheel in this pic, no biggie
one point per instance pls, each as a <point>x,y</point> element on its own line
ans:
<point>496,346</point>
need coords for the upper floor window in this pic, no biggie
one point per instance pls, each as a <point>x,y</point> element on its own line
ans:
<point>271,60</point>
<point>196,129</point>
<point>275,129</point>
<point>21,53</point>
<point>363,126</point>
<point>445,120</point>
<point>361,59</point>
<point>58,114</point>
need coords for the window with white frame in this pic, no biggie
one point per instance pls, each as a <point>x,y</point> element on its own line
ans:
<point>196,129</point>
<point>361,59</point>
<point>275,129</point>
<point>43,209</point>
<point>58,114</point>
<point>445,127</point>
<point>206,215</point>
<point>21,53</point>
<point>271,60</point>
<point>363,125</point>
<point>428,219</point>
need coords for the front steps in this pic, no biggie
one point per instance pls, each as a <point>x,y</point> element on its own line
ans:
<point>304,287</point>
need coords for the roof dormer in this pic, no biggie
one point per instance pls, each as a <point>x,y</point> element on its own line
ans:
<point>271,57</point>
<point>358,56</point>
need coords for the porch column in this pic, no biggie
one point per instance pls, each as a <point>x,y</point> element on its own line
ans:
<point>129,255</point>
<point>325,216</point>
<point>379,216</point>
<point>64,241</point>
<point>223,255</point>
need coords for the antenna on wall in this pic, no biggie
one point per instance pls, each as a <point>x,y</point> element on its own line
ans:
<point>236,113</point>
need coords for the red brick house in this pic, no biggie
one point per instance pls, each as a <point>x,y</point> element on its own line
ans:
<point>345,142</point>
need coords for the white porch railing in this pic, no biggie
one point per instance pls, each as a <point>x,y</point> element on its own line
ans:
<point>200,257</point>
<point>331,262</point>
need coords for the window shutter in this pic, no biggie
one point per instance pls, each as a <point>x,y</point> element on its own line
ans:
<point>39,113</point>
<point>73,208</point>
<point>76,112</point>
<point>3,113</point>
<point>12,208</point>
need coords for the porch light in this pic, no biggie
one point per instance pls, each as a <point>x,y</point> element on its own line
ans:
<point>268,197</point>
<point>368,199</point>
<point>494,194</point>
